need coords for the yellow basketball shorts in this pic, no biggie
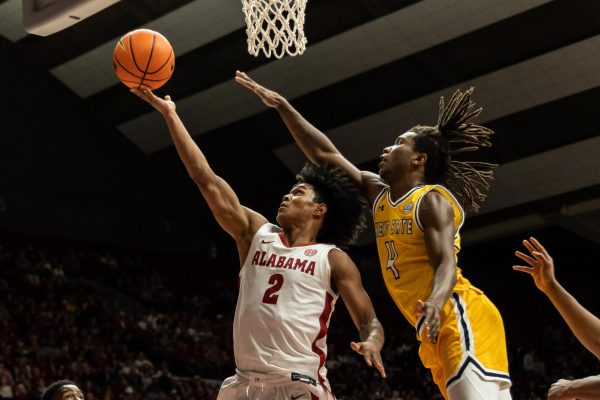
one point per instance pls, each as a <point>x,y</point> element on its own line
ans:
<point>471,333</point>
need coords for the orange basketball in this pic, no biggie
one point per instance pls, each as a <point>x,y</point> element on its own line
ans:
<point>144,58</point>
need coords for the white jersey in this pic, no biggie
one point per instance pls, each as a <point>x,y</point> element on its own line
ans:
<point>284,306</point>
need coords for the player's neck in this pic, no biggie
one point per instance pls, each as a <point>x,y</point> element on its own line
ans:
<point>399,187</point>
<point>301,235</point>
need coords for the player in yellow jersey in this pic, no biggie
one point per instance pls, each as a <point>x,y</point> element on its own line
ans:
<point>417,202</point>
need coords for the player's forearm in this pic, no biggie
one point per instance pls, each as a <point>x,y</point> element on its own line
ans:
<point>585,325</point>
<point>192,157</point>
<point>444,281</point>
<point>314,143</point>
<point>584,389</point>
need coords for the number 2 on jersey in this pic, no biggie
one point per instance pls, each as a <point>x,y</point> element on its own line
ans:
<point>392,256</point>
<point>271,295</point>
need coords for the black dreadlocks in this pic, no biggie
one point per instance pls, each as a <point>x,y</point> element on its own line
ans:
<point>454,134</point>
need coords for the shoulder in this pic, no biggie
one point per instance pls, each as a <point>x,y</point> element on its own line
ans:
<point>433,198</point>
<point>337,255</point>
<point>434,209</point>
<point>255,221</point>
<point>373,185</point>
<point>341,264</point>
<point>338,259</point>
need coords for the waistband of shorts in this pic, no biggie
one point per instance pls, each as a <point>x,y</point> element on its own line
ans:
<point>256,378</point>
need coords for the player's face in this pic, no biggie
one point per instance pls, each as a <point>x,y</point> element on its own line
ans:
<point>297,205</point>
<point>70,392</point>
<point>396,159</point>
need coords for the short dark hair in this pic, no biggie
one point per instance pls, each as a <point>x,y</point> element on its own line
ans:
<point>52,390</point>
<point>345,217</point>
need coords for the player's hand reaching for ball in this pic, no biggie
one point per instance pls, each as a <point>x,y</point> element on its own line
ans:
<point>432,319</point>
<point>164,106</point>
<point>371,351</point>
<point>269,97</point>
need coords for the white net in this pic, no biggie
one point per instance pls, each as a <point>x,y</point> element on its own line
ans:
<point>275,26</point>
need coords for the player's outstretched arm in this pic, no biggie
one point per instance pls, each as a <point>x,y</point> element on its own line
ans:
<point>585,326</point>
<point>240,222</point>
<point>437,217</point>
<point>346,279</point>
<point>585,388</point>
<point>314,143</point>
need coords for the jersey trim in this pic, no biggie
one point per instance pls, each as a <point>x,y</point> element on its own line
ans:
<point>377,198</point>
<point>494,375</point>
<point>258,232</point>
<point>416,212</point>
<point>403,197</point>
<point>284,242</point>
<point>434,187</point>
<point>462,211</point>
<point>327,309</point>
<point>389,198</point>
<point>464,325</point>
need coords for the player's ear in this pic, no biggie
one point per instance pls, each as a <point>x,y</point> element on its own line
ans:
<point>420,159</point>
<point>321,209</point>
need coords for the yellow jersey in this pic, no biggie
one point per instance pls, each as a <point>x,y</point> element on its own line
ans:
<point>400,238</point>
<point>471,328</point>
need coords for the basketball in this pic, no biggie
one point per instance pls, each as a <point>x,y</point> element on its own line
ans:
<point>143,58</point>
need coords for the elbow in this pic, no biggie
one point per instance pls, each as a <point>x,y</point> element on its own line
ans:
<point>199,176</point>
<point>196,176</point>
<point>323,157</point>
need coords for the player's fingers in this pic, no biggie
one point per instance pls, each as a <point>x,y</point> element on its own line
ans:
<point>381,370</point>
<point>379,365</point>
<point>545,257</point>
<point>357,347</point>
<point>244,79</point>
<point>168,98</point>
<point>248,79</point>
<point>525,257</point>
<point>521,268</point>
<point>432,329</point>
<point>240,75</point>
<point>244,82</point>
<point>141,94</point>
<point>433,334</point>
<point>541,256</point>
<point>432,338</point>
<point>529,246</point>
<point>243,75</point>
<point>369,359</point>
<point>539,247</point>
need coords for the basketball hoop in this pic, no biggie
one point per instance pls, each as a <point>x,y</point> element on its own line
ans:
<point>275,26</point>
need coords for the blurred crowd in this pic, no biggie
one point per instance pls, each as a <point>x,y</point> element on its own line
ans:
<point>123,327</point>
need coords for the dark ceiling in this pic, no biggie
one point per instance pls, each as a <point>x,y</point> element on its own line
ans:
<point>71,165</point>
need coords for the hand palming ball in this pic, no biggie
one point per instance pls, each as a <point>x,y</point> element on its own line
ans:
<point>143,58</point>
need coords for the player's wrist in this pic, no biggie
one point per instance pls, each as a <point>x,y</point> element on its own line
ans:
<point>281,104</point>
<point>550,287</point>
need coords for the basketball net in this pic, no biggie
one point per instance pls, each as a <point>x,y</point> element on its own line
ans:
<point>275,26</point>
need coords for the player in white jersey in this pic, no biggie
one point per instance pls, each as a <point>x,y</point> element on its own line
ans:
<point>288,282</point>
